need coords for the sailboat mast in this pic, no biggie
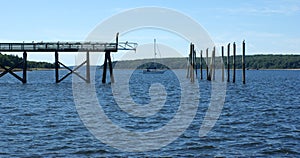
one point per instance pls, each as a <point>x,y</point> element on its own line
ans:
<point>154,53</point>
<point>154,48</point>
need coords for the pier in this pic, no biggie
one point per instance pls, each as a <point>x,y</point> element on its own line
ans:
<point>56,47</point>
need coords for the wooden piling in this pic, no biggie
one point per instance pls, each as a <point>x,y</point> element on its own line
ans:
<point>207,73</point>
<point>24,67</point>
<point>104,68</point>
<point>195,60</point>
<point>222,62</point>
<point>192,62</point>
<point>214,64</point>
<point>112,79</point>
<point>201,75</point>
<point>243,63</point>
<point>189,63</point>
<point>188,67</point>
<point>228,62</point>
<point>233,62</point>
<point>56,67</point>
<point>107,58</point>
<point>88,74</point>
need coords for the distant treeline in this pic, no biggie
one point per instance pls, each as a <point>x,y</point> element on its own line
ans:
<point>11,60</point>
<point>252,62</point>
<point>270,61</point>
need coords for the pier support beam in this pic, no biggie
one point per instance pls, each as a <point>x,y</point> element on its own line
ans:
<point>58,63</point>
<point>107,58</point>
<point>88,68</point>
<point>24,67</point>
<point>56,67</point>
<point>22,64</point>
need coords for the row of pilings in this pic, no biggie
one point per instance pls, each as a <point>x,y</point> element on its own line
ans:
<point>214,63</point>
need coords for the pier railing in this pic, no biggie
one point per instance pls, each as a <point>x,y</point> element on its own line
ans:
<point>66,47</point>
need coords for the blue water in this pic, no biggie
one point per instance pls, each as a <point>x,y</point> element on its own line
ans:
<point>260,118</point>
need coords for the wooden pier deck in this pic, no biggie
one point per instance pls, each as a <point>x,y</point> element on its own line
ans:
<point>57,47</point>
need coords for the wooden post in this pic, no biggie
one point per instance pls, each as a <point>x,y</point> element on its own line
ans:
<point>104,68</point>
<point>195,60</point>
<point>24,67</point>
<point>243,63</point>
<point>211,67</point>
<point>188,67</point>
<point>56,67</point>
<point>214,64</point>
<point>112,79</point>
<point>207,75</point>
<point>233,62</point>
<point>88,76</point>
<point>228,62</point>
<point>192,62</point>
<point>201,76</point>
<point>222,62</point>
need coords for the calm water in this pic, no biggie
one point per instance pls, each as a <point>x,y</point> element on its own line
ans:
<point>260,118</point>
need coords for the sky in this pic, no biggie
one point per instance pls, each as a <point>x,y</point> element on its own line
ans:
<point>267,26</point>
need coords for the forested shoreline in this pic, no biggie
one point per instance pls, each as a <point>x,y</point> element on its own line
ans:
<point>11,60</point>
<point>252,62</point>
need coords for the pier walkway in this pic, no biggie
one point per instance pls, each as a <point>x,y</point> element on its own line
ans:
<point>65,47</point>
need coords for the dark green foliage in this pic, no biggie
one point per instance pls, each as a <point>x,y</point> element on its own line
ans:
<point>268,61</point>
<point>11,60</point>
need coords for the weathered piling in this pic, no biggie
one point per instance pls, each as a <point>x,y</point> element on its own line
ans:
<point>222,62</point>
<point>189,63</point>
<point>188,67</point>
<point>228,62</point>
<point>192,74</point>
<point>195,61</point>
<point>201,75</point>
<point>88,75</point>
<point>112,79</point>
<point>56,67</point>
<point>233,63</point>
<point>207,73</point>
<point>213,65</point>
<point>24,67</point>
<point>107,58</point>
<point>243,63</point>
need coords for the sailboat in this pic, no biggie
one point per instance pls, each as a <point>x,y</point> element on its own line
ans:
<point>154,69</point>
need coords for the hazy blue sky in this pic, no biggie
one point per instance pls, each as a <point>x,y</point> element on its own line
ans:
<point>268,26</point>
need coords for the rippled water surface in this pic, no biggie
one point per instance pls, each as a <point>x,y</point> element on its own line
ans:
<point>260,118</point>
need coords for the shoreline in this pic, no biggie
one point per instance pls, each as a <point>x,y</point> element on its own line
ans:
<point>218,69</point>
<point>272,69</point>
<point>52,69</point>
<point>29,69</point>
